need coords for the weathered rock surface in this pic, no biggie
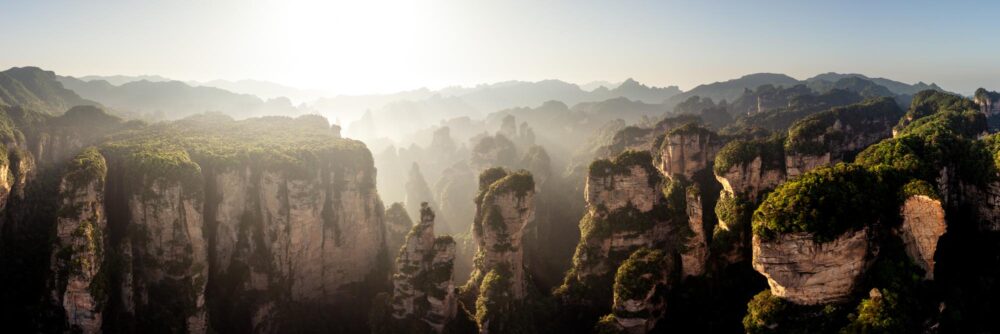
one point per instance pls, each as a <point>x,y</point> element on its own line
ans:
<point>78,253</point>
<point>695,254</point>
<point>504,210</point>
<point>686,150</point>
<point>423,289</point>
<point>641,285</point>
<point>798,164</point>
<point>397,226</point>
<point>505,207</point>
<point>750,180</point>
<point>806,272</point>
<point>923,224</point>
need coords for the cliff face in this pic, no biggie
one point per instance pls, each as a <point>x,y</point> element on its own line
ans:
<point>923,225</point>
<point>806,272</point>
<point>621,199</point>
<point>276,239</point>
<point>78,253</point>
<point>695,254</point>
<point>423,289</point>
<point>505,206</point>
<point>686,150</point>
<point>750,180</point>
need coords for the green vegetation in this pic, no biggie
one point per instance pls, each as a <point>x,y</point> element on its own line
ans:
<point>879,313</point>
<point>823,132</point>
<point>277,143</point>
<point>622,165</point>
<point>640,273</point>
<point>826,202</point>
<point>742,152</point>
<point>920,187</point>
<point>734,213</point>
<point>764,313</point>
<point>929,102</point>
<point>88,166</point>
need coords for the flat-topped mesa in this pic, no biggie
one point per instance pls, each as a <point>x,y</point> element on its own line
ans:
<point>280,223</point>
<point>686,150</point>
<point>641,286</point>
<point>78,265</point>
<point>810,249</point>
<point>832,136</point>
<point>154,203</point>
<point>423,290</point>
<point>923,224</point>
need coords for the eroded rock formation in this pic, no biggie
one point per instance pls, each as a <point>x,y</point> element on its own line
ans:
<point>804,271</point>
<point>686,150</point>
<point>423,289</point>
<point>505,207</point>
<point>78,253</point>
<point>923,225</point>
<point>641,285</point>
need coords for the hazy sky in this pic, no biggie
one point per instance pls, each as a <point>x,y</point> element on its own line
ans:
<point>381,46</point>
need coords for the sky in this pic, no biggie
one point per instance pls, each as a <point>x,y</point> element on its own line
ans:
<point>380,46</point>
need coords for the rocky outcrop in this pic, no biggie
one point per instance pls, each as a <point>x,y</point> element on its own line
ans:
<point>641,285</point>
<point>750,180</point>
<point>832,136</point>
<point>798,164</point>
<point>695,254</point>
<point>923,225</point>
<point>686,150</point>
<point>397,226</point>
<point>423,289</point>
<point>806,272</point>
<point>79,272</point>
<point>505,207</point>
<point>627,210</point>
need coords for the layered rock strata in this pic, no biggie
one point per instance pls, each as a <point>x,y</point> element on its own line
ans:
<point>805,272</point>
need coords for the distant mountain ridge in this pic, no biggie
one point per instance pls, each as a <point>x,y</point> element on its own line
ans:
<point>37,89</point>
<point>167,100</point>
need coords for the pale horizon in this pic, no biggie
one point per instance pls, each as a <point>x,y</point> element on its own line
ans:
<point>374,47</point>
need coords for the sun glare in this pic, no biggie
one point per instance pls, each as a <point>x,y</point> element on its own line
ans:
<point>375,44</point>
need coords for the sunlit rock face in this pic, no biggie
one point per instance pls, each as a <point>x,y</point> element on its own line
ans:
<point>423,289</point>
<point>923,225</point>
<point>686,150</point>
<point>805,272</point>
<point>750,180</point>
